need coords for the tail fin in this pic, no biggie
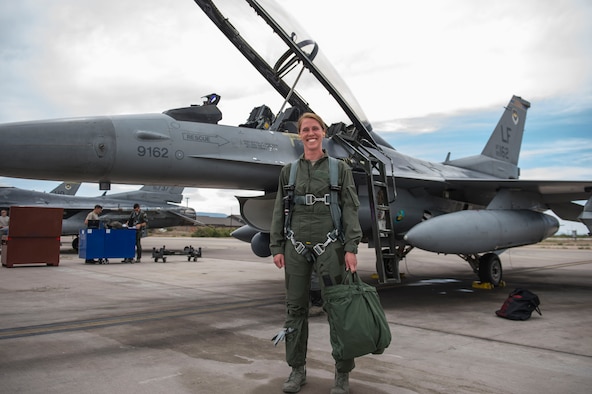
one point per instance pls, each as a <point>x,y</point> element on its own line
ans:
<point>506,140</point>
<point>166,193</point>
<point>500,155</point>
<point>154,193</point>
<point>67,188</point>
<point>163,189</point>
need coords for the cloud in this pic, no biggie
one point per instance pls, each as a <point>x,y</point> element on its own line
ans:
<point>564,173</point>
<point>215,200</point>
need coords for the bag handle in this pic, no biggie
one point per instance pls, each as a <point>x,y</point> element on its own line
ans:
<point>351,278</point>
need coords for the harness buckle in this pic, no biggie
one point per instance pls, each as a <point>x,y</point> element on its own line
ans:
<point>319,249</point>
<point>299,247</point>
<point>332,236</point>
<point>311,199</point>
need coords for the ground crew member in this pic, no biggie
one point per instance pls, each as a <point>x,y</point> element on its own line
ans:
<point>93,215</point>
<point>139,220</point>
<point>310,224</point>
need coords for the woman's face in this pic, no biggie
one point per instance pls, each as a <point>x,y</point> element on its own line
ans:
<point>312,134</point>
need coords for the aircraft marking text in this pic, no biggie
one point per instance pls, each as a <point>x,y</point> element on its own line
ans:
<point>209,139</point>
<point>259,145</point>
<point>156,152</point>
<point>506,134</point>
<point>502,151</point>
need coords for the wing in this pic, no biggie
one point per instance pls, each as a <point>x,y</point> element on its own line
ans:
<point>558,196</point>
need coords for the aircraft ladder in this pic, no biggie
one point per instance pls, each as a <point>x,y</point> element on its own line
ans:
<point>379,197</point>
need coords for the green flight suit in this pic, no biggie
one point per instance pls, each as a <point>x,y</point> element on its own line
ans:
<point>310,224</point>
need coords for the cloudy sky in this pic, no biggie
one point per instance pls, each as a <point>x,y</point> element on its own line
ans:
<point>431,75</point>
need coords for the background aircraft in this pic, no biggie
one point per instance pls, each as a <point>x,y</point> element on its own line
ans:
<point>157,201</point>
<point>475,207</point>
<point>67,188</point>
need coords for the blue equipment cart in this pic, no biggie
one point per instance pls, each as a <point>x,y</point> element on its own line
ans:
<point>105,243</point>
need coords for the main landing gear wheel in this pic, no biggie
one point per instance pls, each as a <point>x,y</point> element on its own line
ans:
<point>390,265</point>
<point>490,269</point>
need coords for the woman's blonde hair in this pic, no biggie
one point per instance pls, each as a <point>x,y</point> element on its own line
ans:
<point>310,115</point>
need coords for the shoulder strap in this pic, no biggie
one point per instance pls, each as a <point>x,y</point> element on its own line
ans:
<point>289,199</point>
<point>335,188</point>
<point>293,171</point>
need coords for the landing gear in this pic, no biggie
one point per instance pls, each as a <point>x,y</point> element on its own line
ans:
<point>488,267</point>
<point>391,264</point>
<point>391,261</point>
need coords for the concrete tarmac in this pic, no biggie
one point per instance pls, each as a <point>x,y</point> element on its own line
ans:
<point>206,326</point>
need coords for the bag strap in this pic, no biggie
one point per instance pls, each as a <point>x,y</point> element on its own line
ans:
<point>351,278</point>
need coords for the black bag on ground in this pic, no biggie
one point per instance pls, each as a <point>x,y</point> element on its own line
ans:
<point>519,305</point>
<point>358,325</point>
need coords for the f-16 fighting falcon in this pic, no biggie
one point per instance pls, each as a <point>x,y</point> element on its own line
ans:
<point>475,207</point>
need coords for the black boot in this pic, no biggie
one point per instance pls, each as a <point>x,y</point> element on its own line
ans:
<point>296,380</point>
<point>341,383</point>
<point>315,298</point>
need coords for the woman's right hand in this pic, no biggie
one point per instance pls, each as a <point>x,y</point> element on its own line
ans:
<point>279,261</point>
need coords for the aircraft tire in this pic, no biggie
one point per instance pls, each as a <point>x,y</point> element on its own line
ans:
<point>389,265</point>
<point>490,269</point>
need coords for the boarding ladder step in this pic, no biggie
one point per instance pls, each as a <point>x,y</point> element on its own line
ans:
<point>380,195</point>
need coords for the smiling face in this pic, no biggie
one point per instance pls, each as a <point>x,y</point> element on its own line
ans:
<point>312,133</point>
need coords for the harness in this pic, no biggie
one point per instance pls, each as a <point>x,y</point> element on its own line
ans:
<point>331,199</point>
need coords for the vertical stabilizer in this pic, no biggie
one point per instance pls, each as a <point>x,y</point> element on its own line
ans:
<point>499,158</point>
<point>506,140</point>
<point>154,193</point>
<point>67,188</point>
<point>163,189</point>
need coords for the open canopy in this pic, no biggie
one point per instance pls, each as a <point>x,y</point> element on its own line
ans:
<point>288,57</point>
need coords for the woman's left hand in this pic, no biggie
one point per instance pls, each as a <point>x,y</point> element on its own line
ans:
<point>351,261</point>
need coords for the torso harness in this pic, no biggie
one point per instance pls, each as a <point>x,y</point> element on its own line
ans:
<point>331,199</point>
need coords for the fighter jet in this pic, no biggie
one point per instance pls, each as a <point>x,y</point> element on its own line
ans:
<point>67,188</point>
<point>157,201</point>
<point>475,207</point>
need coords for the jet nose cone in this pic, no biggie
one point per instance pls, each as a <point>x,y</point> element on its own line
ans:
<point>80,148</point>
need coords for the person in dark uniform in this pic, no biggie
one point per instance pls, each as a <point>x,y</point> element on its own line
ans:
<point>93,216</point>
<point>139,220</point>
<point>310,223</point>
